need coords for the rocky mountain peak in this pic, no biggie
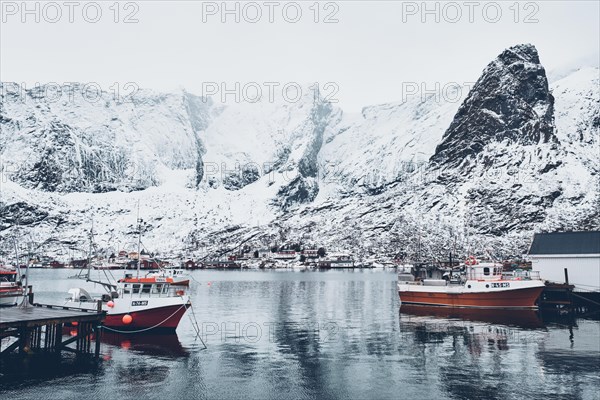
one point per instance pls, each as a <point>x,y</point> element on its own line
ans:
<point>509,103</point>
<point>520,53</point>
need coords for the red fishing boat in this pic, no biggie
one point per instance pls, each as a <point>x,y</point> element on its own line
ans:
<point>134,304</point>
<point>480,285</point>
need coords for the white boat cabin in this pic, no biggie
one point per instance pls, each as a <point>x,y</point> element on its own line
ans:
<point>484,271</point>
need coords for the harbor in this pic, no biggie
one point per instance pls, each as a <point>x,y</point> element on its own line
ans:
<point>266,331</point>
<point>300,200</point>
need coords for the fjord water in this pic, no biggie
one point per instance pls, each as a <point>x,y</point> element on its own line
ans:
<point>313,334</point>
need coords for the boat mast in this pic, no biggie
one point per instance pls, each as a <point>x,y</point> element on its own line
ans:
<point>17,258</point>
<point>139,260</point>
<point>27,274</point>
<point>89,258</point>
<point>89,264</point>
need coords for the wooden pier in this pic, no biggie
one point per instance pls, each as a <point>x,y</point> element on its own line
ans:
<point>561,297</point>
<point>38,329</point>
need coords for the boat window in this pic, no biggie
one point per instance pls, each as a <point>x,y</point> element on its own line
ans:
<point>486,271</point>
<point>136,288</point>
<point>146,288</point>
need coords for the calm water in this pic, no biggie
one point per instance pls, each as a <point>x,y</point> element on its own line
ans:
<point>335,334</point>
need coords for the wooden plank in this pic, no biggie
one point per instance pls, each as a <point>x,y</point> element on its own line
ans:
<point>34,316</point>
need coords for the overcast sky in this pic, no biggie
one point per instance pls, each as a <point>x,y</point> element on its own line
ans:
<point>368,53</point>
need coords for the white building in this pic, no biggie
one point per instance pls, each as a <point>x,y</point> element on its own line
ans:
<point>578,252</point>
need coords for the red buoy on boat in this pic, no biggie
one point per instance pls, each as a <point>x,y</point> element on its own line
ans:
<point>111,304</point>
<point>127,319</point>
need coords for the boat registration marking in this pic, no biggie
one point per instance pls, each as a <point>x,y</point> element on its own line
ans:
<point>138,303</point>
<point>501,284</point>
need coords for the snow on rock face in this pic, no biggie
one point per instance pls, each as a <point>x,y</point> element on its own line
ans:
<point>501,169</point>
<point>73,144</point>
<point>500,163</point>
<point>385,143</point>
<point>249,142</point>
<point>515,156</point>
<point>578,111</point>
<point>510,102</point>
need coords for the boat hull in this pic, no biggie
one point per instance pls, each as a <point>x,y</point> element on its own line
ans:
<point>148,313</point>
<point>155,319</point>
<point>516,298</point>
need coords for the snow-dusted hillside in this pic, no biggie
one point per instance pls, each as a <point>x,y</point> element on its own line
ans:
<point>514,155</point>
<point>72,144</point>
<point>501,170</point>
<point>385,143</point>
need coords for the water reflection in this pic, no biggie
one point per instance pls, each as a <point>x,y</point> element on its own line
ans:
<point>155,345</point>
<point>17,371</point>
<point>528,319</point>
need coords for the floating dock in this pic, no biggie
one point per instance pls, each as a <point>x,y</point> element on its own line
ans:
<point>38,329</point>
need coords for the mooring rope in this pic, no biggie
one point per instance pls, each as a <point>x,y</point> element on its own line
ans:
<point>196,327</point>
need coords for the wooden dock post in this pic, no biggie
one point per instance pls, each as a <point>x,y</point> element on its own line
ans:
<point>24,340</point>
<point>569,291</point>
<point>98,332</point>
<point>30,295</point>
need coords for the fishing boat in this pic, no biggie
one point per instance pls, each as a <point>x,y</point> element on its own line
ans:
<point>475,285</point>
<point>11,289</point>
<point>134,304</point>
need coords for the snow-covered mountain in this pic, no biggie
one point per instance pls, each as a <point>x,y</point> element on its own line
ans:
<point>514,155</point>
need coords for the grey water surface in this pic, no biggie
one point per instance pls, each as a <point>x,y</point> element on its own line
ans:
<point>279,334</point>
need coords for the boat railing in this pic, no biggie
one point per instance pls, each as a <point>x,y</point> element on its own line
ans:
<point>535,275</point>
<point>521,275</point>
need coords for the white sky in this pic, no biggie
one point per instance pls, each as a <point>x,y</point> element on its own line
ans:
<point>368,53</point>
